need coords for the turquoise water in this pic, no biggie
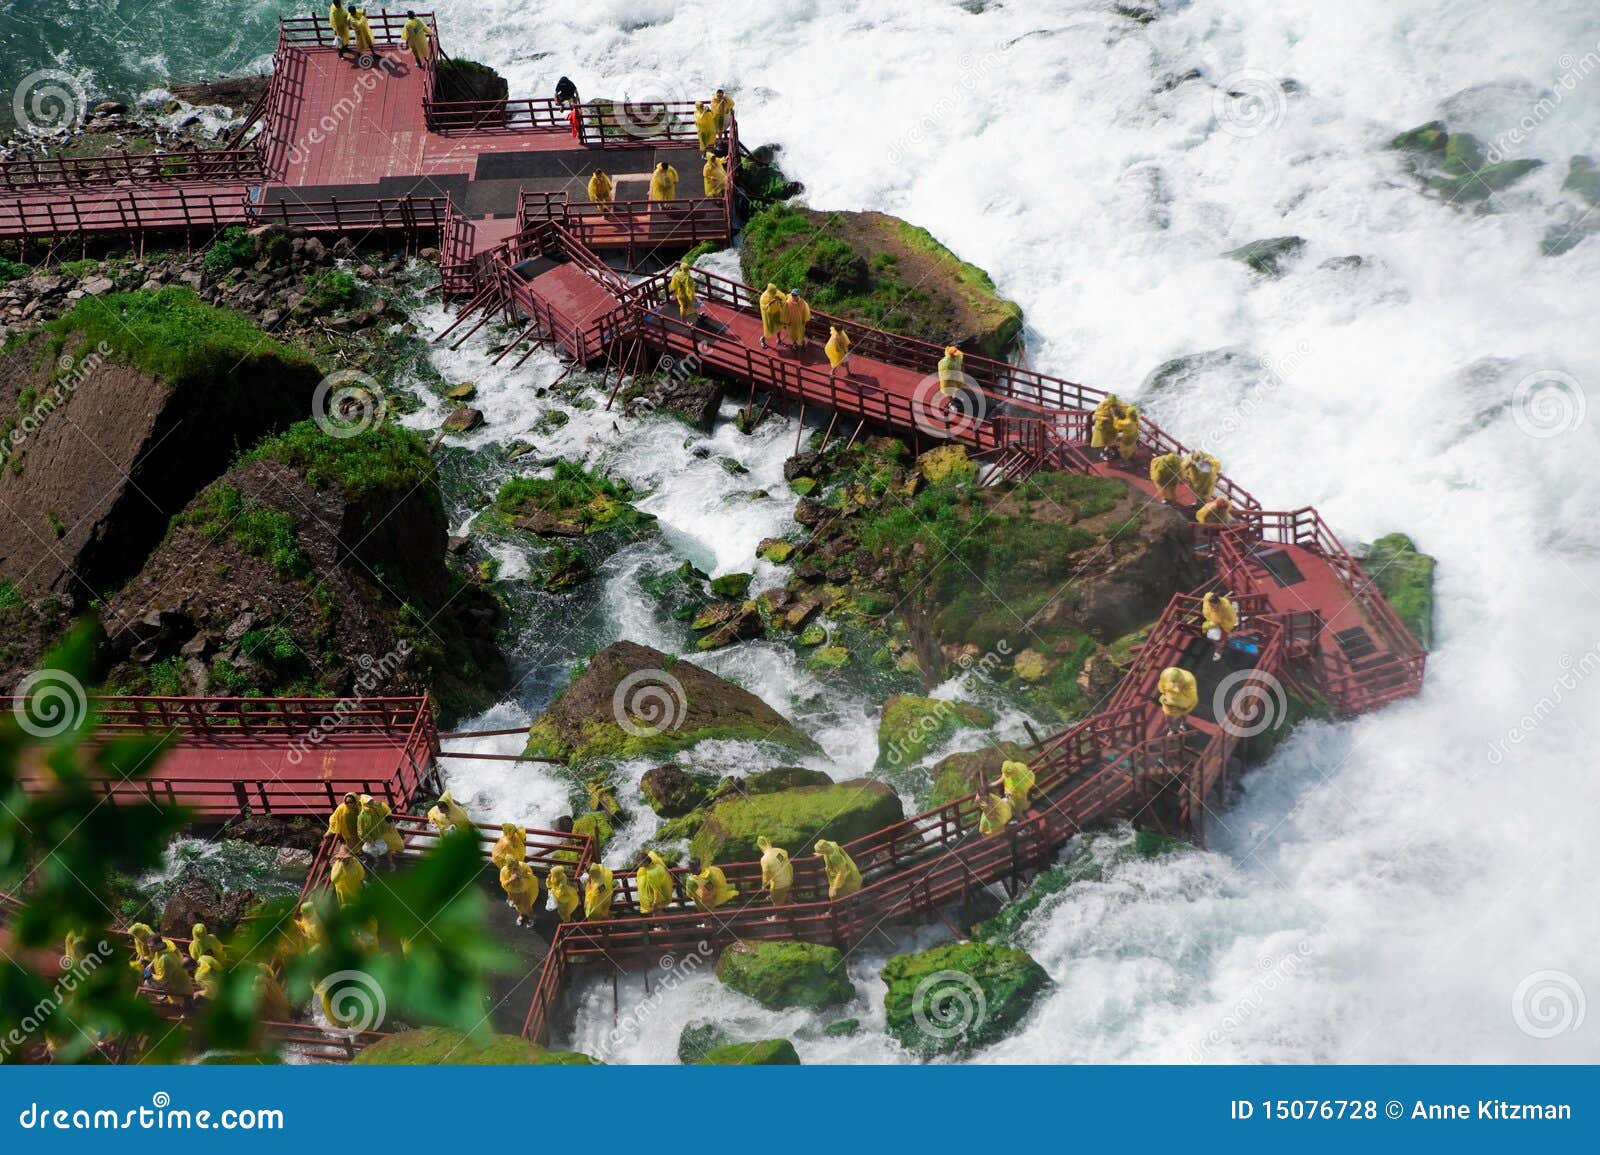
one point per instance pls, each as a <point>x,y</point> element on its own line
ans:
<point>121,49</point>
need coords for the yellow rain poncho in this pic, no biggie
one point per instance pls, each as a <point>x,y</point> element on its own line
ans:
<point>1103,431</point>
<point>1200,473</point>
<point>415,35</point>
<point>771,312</point>
<point>1220,613</point>
<point>1127,426</point>
<point>714,176</point>
<point>1166,471</point>
<point>682,285</point>
<point>377,833</point>
<point>952,370</point>
<point>362,30</point>
<point>1217,511</point>
<point>447,815</point>
<point>339,19</point>
<point>722,109</point>
<point>777,872</point>
<point>838,346</point>
<point>272,1001</point>
<point>664,183</point>
<point>843,875</point>
<point>994,814</point>
<point>705,125</point>
<point>348,876</point>
<point>308,925</point>
<point>564,898</point>
<point>521,885</point>
<point>203,942</point>
<point>655,885</point>
<point>145,944</point>
<point>598,889</point>
<point>208,975</point>
<point>710,888</point>
<point>1016,779</point>
<point>166,969</point>
<point>1178,691</point>
<point>512,846</point>
<point>600,190</point>
<point>342,822</point>
<point>795,315</point>
<point>72,948</point>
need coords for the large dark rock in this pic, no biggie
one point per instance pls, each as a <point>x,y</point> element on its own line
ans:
<point>201,900</point>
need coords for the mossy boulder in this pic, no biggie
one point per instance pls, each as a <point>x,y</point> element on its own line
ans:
<point>954,998</point>
<point>597,826</point>
<point>632,700</point>
<point>784,778</point>
<point>878,270</point>
<point>775,550</point>
<point>1405,577</point>
<point>795,819</point>
<point>843,1029</point>
<point>683,592</point>
<point>1269,256</point>
<point>731,585</point>
<point>953,776</point>
<point>1454,166</point>
<point>763,1053</point>
<point>1583,178</point>
<point>779,975</point>
<point>441,1046</point>
<point>699,1038</point>
<point>826,658</point>
<point>571,502</point>
<point>948,463</point>
<point>672,791</point>
<point>460,79</point>
<point>911,727</point>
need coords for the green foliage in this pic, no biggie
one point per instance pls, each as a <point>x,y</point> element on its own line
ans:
<point>173,334</point>
<point>385,459</point>
<point>232,249</point>
<point>785,248</point>
<point>1405,577</point>
<point>333,290</point>
<point>762,1053</point>
<point>13,270</point>
<point>779,975</point>
<point>441,1046</point>
<point>795,819</point>
<point>572,494</point>
<point>9,597</point>
<point>932,1008</point>
<point>259,530</point>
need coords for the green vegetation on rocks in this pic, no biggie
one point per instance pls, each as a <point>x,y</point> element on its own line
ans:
<point>911,727</point>
<point>779,975</point>
<point>440,1046</point>
<point>385,459</point>
<point>1454,166</point>
<point>1405,577</point>
<point>954,998</point>
<point>698,1039</point>
<point>953,777</point>
<point>794,819</point>
<point>763,1053</point>
<point>1270,256</point>
<point>570,501</point>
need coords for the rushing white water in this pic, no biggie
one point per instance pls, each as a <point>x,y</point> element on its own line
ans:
<point>1408,886</point>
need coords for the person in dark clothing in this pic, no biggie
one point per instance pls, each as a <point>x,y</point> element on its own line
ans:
<point>566,92</point>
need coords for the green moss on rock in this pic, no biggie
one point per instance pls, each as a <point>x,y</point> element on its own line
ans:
<point>1405,577</point>
<point>763,1053</point>
<point>731,585</point>
<point>795,819</point>
<point>954,998</point>
<point>441,1046</point>
<point>700,1038</point>
<point>953,776</point>
<point>779,975</point>
<point>911,727</point>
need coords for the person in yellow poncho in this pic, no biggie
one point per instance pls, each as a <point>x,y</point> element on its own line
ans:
<point>272,1001</point>
<point>145,945</point>
<point>714,175</point>
<point>600,188</point>
<point>203,942</point>
<point>208,975</point>
<point>664,183</point>
<point>705,125</point>
<point>681,284</point>
<point>838,351</point>
<point>994,813</point>
<point>564,897</point>
<point>771,314</point>
<point>348,876</point>
<point>415,36</point>
<point>342,822</point>
<point>653,881</point>
<point>795,315</point>
<point>308,925</point>
<point>777,872</point>
<point>339,19</point>
<point>1221,618</point>
<point>1017,779</point>
<point>72,952</point>
<point>447,815</point>
<point>1103,430</point>
<point>844,877</point>
<point>1217,511</point>
<point>512,846</point>
<point>708,886</point>
<point>952,371</point>
<point>521,885</point>
<point>599,886</point>
<point>377,833</point>
<point>167,973</point>
<point>722,109</point>
<point>1127,426</point>
<point>1166,472</point>
<point>1178,694</point>
<point>363,33</point>
<point>1200,473</point>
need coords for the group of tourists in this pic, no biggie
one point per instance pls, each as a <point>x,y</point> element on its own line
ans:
<point>353,33</point>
